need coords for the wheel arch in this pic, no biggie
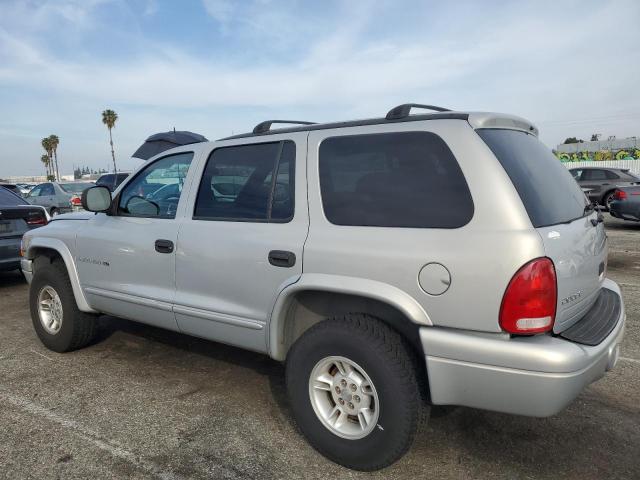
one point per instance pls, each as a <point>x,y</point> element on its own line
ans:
<point>53,248</point>
<point>317,297</point>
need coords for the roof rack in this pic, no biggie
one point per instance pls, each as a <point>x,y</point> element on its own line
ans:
<point>403,111</point>
<point>265,126</point>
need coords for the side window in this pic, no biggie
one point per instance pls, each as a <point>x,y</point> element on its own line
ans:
<point>576,174</point>
<point>239,183</point>
<point>36,191</point>
<point>47,189</point>
<point>405,179</point>
<point>595,175</point>
<point>610,175</point>
<point>156,190</point>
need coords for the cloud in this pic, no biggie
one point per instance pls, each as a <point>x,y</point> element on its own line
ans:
<point>570,65</point>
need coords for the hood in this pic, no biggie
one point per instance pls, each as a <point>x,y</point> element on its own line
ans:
<point>84,215</point>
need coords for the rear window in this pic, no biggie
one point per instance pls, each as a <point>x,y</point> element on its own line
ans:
<point>547,189</point>
<point>75,187</point>
<point>404,179</point>
<point>9,199</point>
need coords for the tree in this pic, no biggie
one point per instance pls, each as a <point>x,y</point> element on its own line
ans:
<point>55,141</point>
<point>46,144</point>
<point>595,137</point>
<point>45,160</point>
<point>573,140</point>
<point>109,118</point>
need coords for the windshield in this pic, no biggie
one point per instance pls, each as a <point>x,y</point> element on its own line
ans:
<point>9,199</point>
<point>75,187</point>
<point>547,189</point>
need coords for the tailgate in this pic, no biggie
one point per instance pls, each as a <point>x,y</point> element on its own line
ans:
<point>579,253</point>
<point>14,221</point>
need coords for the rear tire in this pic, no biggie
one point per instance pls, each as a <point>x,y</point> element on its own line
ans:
<point>58,322</point>
<point>53,212</point>
<point>608,198</point>
<point>376,354</point>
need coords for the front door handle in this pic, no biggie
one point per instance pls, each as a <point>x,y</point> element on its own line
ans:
<point>282,258</point>
<point>164,246</point>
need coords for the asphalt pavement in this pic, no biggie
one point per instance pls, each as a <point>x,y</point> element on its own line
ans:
<point>146,403</point>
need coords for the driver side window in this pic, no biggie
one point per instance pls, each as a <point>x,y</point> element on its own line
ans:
<point>156,190</point>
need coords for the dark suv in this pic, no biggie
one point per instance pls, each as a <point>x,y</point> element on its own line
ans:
<point>601,183</point>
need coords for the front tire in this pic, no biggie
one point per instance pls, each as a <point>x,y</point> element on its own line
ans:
<point>58,322</point>
<point>352,384</point>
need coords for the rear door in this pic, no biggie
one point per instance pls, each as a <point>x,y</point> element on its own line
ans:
<point>242,239</point>
<point>571,232</point>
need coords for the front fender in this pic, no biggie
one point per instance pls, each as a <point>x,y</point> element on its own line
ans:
<point>363,287</point>
<point>62,249</point>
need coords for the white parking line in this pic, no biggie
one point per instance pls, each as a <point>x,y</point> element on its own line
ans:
<point>89,435</point>
<point>627,359</point>
<point>42,355</point>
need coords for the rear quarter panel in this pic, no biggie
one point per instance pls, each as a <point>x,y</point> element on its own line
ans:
<point>481,256</point>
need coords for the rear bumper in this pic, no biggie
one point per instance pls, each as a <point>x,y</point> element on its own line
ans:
<point>534,376</point>
<point>9,254</point>
<point>626,210</point>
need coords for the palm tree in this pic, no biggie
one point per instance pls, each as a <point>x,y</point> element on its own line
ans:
<point>46,144</point>
<point>109,118</point>
<point>55,141</point>
<point>45,160</point>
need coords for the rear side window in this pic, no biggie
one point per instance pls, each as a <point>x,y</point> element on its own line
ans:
<point>404,179</point>
<point>248,183</point>
<point>547,189</point>
<point>9,199</point>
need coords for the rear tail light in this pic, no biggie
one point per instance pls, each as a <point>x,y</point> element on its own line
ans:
<point>529,303</point>
<point>76,201</point>
<point>620,195</point>
<point>36,220</point>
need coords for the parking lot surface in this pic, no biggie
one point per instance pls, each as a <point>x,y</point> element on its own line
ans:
<point>146,403</point>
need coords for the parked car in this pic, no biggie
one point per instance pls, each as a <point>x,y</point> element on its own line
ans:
<point>12,187</point>
<point>602,182</point>
<point>112,180</point>
<point>16,218</point>
<point>447,256</point>
<point>58,198</point>
<point>626,203</point>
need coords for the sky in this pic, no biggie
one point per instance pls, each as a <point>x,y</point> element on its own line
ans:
<point>218,67</point>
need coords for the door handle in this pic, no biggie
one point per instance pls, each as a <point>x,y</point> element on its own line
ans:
<point>282,258</point>
<point>164,246</point>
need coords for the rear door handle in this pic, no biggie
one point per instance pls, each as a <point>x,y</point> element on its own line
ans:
<point>282,258</point>
<point>164,246</point>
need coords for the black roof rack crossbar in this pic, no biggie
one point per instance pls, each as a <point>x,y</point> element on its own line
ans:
<point>403,111</point>
<point>265,126</point>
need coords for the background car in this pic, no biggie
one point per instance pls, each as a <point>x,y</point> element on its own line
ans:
<point>626,203</point>
<point>16,217</point>
<point>58,197</point>
<point>111,180</point>
<point>602,182</point>
<point>12,187</point>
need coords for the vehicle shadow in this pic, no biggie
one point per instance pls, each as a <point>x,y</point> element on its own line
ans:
<point>11,279</point>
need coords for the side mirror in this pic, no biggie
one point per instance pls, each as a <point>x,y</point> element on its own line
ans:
<point>96,199</point>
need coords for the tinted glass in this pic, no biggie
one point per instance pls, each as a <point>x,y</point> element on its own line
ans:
<point>407,179</point>
<point>107,180</point>
<point>156,190</point>
<point>611,175</point>
<point>75,187</point>
<point>547,189</point>
<point>594,175</point>
<point>9,199</point>
<point>47,189</point>
<point>576,174</point>
<point>238,183</point>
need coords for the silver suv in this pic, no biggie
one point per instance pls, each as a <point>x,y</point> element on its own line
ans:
<point>444,258</point>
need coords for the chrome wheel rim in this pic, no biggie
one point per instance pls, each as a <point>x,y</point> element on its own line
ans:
<point>344,397</point>
<point>50,310</point>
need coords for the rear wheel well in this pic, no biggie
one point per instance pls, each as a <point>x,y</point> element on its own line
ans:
<point>310,307</point>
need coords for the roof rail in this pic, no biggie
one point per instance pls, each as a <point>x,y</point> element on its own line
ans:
<point>265,126</point>
<point>403,111</point>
